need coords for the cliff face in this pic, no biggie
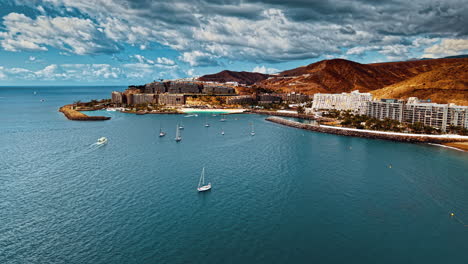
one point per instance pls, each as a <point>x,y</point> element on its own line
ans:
<point>232,76</point>
<point>338,75</point>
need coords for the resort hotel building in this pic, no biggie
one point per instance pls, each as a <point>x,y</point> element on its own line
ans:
<point>414,110</point>
<point>354,101</point>
<point>411,111</point>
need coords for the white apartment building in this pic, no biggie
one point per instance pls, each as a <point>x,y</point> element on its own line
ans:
<point>354,101</point>
<point>431,114</point>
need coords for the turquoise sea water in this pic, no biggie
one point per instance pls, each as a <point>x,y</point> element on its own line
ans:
<point>281,196</point>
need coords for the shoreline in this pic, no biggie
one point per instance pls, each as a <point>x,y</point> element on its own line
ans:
<point>75,115</point>
<point>213,110</point>
<point>461,146</point>
<point>392,136</point>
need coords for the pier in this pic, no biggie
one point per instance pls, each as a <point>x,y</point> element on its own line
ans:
<point>72,114</point>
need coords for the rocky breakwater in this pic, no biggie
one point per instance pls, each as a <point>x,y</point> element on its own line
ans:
<point>72,114</point>
<point>402,137</point>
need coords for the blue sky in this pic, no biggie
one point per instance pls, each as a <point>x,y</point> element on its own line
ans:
<point>81,42</point>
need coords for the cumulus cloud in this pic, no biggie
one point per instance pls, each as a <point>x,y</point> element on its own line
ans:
<point>447,47</point>
<point>71,34</point>
<point>264,30</point>
<point>53,72</point>
<point>265,70</point>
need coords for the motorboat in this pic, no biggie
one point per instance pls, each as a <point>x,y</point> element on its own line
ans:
<point>101,140</point>
<point>161,133</point>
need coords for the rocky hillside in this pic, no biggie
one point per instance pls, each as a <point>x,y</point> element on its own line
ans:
<point>338,75</point>
<point>233,76</point>
<point>448,84</point>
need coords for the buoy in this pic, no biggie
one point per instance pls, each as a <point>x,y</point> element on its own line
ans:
<point>389,166</point>
<point>452,214</point>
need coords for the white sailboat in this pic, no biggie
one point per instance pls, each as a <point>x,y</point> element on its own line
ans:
<point>201,184</point>
<point>178,137</point>
<point>252,132</point>
<point>222,132</point>
<point>181,127</point>
<point>206,122</point>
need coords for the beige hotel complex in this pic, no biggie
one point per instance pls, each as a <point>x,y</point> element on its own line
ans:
<point>410,111</point>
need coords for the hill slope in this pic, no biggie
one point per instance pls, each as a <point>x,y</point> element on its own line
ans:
<point>338,75</point>
<point>448,84</point>
<point>233,76</point>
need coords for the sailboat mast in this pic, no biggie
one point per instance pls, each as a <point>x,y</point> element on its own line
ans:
<point>202,178</point>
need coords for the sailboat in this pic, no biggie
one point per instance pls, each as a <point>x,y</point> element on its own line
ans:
<point>178,137</point>
<point>222,132</point>
<point>201,184</point>
<point>206,122</point>
<point>181,126</point>
<point>252,132</point>
<point>161,133</point>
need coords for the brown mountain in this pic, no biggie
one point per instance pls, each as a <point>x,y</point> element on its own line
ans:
<point>448,84</point>
<point>233,76</point>
<point>338,75</point>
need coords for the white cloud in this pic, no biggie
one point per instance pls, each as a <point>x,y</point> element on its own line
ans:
<point>447,47</point>
<point>165,61</point>
<point>160,62</point>
<point>198,58</point>
<point>265,70</point>
<point>71,34</point>
<point>360,50</point>
<point>257,31</point>
<point>190,72</point>
<point>395,52</point>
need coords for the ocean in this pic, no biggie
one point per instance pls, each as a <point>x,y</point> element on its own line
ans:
<point>282,196</point>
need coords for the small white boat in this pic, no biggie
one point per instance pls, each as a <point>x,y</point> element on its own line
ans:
<point>222,132</point>
<point>161,133</point>
<point>178,138</point>
<point>222,120</point>
<point>252,132</point>
<point>101,140</point>
<point>201,184</point>
<point>181,127</point>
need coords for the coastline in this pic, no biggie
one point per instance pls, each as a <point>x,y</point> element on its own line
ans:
<point>213,110</point>
<point>74,115</point>
<point>462,146</point>
<point>448,140</point>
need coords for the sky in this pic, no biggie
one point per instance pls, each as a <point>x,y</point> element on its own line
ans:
<point>124,42</point>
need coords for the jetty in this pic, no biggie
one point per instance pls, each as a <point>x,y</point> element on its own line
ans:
<point>353,132</point>
<point>72,114</point>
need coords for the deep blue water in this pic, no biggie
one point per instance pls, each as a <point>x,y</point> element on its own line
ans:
<point>282,196</point>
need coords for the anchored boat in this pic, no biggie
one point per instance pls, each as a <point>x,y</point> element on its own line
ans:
<point>201,184</point>
<point>178,138</point>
